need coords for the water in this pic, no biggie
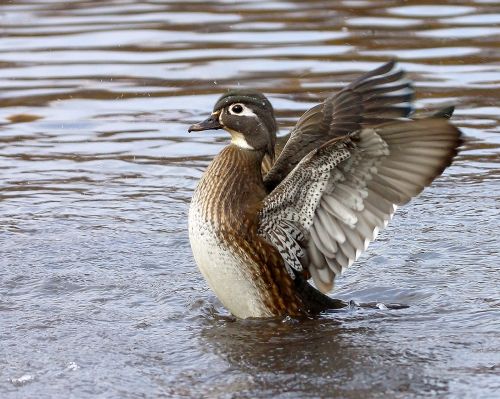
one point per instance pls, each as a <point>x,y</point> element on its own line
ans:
<point>99,294</point>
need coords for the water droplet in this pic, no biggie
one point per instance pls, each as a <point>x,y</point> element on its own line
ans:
<point>72,366</point>
<point>23,380</point>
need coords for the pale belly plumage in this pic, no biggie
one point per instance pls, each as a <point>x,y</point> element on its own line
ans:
<point>229,273</point>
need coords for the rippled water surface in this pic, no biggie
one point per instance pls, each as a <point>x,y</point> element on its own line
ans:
<point>99,294</point>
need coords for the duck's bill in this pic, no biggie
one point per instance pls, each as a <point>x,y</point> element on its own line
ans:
<point>210,123</point>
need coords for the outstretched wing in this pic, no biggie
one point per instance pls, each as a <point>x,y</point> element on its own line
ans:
<point>332,205</point>
<point>376,97</point>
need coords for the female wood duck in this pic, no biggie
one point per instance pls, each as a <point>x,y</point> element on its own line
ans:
<point>266,217</point>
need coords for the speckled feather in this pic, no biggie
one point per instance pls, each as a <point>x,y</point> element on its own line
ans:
<point>287,213</point>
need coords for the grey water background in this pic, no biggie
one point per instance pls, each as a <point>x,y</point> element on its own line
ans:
<point>99,294</point>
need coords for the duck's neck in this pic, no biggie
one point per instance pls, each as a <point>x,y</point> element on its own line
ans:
<point>232,189</point>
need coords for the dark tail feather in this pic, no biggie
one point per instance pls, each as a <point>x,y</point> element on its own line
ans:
<point>316,301</point>
<point>445,112</point>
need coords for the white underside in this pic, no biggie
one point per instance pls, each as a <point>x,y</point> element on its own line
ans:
<point>227,274</point>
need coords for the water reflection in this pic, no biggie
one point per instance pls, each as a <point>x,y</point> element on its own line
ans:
<point>329,362</point>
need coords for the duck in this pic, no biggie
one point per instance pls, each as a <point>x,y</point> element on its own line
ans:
<point>273,221</point>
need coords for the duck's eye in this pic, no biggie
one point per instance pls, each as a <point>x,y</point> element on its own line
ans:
<point>237,109</point>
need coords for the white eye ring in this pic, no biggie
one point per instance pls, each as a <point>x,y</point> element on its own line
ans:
<point>236,109</point>
<point>245,111</point>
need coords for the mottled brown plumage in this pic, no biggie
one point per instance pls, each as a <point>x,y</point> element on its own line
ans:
<point>237,225</point>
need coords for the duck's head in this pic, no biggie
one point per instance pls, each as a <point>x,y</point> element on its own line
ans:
<point>248,116</point>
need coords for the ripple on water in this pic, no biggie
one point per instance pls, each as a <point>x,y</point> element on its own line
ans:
<point>431,11</point>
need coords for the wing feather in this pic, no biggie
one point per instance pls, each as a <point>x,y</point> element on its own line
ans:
<point>337,200</point>
<point>378,96</point>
